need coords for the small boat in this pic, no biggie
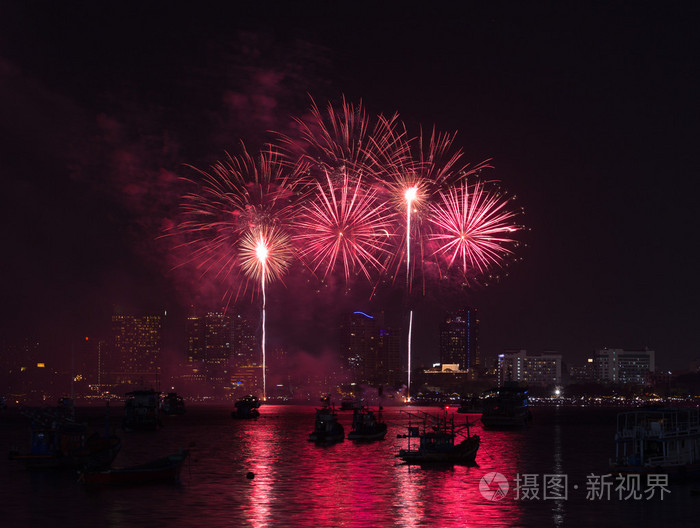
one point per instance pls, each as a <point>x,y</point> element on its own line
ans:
<point>367,425</point>
<point>166,469</point>
<point>349,403</point>
<point>470,406</point>
<point>436,441</point>
<point>327,429</point>
<point>246,407</point>
<point>506,407</point>
<point>61,443</point>
<point>658,441</point>
<point>141,411</point>
<point>173,404</point>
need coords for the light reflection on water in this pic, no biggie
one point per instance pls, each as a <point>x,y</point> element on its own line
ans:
<point>297,483</point>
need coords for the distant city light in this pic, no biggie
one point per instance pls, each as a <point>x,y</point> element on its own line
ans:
<point>40,365</point>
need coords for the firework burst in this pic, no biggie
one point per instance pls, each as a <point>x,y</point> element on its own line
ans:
<point>343,226</point>
<point>472,228</point>
<point>344,142</point>
<point>238,200</point>
<point>265,254</point>
<point>412,185</point>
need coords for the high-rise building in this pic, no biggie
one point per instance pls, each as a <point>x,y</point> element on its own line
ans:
<point>210,342</point>
<point>543,369</point>
<point>360,337</point>
<point>389,369</point>
<point>137,349</point>
<point>459,339</point>
<point>246,347</point>
<point>615,365</point>
<point>371,351</point>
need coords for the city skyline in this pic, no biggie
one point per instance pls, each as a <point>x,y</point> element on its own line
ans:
<point>590,119</point>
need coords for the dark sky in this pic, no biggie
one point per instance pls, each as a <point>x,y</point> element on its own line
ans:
<point>588,110</point>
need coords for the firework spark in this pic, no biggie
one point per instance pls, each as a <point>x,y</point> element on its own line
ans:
<point>265,254</point>
<point>413,184</point>
<point>345,142</point>
<point>235,201</point>
<point>473,228</point>
<point>343,226</point>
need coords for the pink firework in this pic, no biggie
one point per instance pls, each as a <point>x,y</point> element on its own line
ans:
<point>343,226</point>
<point>344,141</point>
<point>413,185</point>
<point>472,229</point>
<point>265,254</point>
<point>238,197</point>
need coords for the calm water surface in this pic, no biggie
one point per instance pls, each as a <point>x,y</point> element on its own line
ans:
<point>298,483</point>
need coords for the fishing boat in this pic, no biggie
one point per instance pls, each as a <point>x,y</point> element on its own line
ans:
<point>367,425</point>
<point>436,441</point>
<point>327,429</point>
<point>658,441</point>
<point>166,469</point>
<point>247,407</point>
<point>506,407</point>
<point>141,411</point>
<point>350,403</point>
<point>173,404</point>
<point>470,406</point>
<point>60,443</point>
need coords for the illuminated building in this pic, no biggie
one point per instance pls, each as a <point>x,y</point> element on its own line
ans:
<point>543,369</point>
<point>246,347</point>
<point>615,365</point>
<point>459,339</point>
<point>371,351</point>
<point>360,336</point>
<point>209,345</point>
<point>389,369</point>
<point>137,349</point>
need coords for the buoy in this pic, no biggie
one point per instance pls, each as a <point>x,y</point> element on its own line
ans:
<point>250,475</point>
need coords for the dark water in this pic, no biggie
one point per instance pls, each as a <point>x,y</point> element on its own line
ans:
<point>351,485</point>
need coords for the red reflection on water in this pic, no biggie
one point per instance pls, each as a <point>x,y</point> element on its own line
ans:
<point>261,457</point>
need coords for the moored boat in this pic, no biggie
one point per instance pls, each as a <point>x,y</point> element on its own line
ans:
<point>141,410</point>
<point>246,407</point>
<point>327,429</point>
<point>658,441</point>
<point>436,442</point>
<point>506,407</point>
<point>173,404</point>
<point>367,425</point>
<point>61,443</point>
<point>166,469</point>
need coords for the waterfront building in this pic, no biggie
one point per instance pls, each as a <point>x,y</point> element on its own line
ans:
<point>360,336</point>
<point>459,339</point>
<point>583,373</point>
<point>210,340</point>
<point>137,348</point>
<point>615,365</point>
<point>247,349</point>
<point>543,369</point>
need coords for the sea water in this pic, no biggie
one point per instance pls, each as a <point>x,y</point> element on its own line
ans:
<point>553,473</point>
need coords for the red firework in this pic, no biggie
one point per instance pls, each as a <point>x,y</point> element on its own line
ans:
<point>413,185</point>
<point>345,141</point>
<point>472,228</point>
<point>265,254</point>
<point>240,198</point>
<point>343,226</point>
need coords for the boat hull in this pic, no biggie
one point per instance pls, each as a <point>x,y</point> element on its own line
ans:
<point>166,469</point>
<point>462,454</point>
<point>98,453</point>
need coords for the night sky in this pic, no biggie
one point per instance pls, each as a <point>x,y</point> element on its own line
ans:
<point>588,111</point>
